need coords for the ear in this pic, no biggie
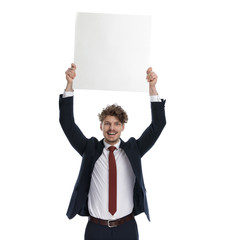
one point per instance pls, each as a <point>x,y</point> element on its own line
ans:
<point>101,126</point>
<point>123,126</point>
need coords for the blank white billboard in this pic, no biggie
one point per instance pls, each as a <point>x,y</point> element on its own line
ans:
<point>112,51</point>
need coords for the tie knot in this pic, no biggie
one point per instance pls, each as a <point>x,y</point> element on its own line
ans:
<point>112,148</point>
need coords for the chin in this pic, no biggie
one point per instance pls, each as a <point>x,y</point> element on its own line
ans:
<point>112,140</point>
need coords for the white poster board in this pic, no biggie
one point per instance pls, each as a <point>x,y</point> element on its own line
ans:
<point>112,51</point>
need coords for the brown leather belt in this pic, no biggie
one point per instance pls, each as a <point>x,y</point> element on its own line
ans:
<point>111,223</point>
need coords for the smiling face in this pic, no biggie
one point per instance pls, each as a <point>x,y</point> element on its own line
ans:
<point>112,129</point>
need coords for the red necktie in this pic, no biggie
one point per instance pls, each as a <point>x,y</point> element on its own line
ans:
<point>112,195</point>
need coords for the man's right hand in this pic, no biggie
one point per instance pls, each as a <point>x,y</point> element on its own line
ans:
<point>70,73</point>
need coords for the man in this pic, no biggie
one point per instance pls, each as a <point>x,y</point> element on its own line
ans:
<point>110,187</point>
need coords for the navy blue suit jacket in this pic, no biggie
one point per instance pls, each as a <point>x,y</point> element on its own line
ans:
<point>91,149</point>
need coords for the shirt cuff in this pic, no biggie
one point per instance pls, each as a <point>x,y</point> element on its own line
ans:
<point>67,94</point>
<point>155,98</point>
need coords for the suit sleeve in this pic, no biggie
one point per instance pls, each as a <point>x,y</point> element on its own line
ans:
<point>71,130</point>
<point>151,134</point>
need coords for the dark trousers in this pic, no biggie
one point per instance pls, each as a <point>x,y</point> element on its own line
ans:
<point>125,231</point>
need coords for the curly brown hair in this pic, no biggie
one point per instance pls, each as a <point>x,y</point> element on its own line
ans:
<point>114,110</point>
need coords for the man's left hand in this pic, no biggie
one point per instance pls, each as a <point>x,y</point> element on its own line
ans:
<point>151,77</point>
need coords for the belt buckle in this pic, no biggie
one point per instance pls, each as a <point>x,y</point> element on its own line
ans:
<point>109,225</point>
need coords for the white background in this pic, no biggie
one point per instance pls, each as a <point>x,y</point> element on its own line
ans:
<point>191,174</point>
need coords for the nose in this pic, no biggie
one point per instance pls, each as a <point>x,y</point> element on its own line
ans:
<point>111,127</point>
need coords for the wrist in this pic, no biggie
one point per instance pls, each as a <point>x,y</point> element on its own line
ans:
<point>152,90</point>
<point>69,87</point>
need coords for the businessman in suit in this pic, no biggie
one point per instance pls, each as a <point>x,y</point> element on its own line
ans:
<point>110,188</point>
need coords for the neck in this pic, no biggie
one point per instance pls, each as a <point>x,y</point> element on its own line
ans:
<point>111,143</point>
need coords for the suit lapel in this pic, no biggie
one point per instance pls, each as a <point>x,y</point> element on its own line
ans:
<point>99,151</point>
<point>130,156</point>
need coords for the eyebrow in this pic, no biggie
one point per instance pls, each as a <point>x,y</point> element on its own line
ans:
<point>113,122</point>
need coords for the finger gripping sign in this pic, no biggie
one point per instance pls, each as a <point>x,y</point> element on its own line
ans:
<point>112,51</point>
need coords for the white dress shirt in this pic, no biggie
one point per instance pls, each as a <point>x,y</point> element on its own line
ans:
<point>98,192</point>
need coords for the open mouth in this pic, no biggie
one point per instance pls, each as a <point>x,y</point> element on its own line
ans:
<point>111,134</point>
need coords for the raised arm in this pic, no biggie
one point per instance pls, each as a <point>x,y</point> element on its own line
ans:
<point>151,134</point>
<point>71,130</point>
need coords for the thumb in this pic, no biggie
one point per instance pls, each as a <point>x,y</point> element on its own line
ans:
<point>73,66</point>
<point>149,70</point>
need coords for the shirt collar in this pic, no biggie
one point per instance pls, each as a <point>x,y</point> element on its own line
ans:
<point>117,145</point>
